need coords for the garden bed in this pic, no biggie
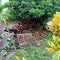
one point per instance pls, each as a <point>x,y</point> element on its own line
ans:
<point>38,32</point>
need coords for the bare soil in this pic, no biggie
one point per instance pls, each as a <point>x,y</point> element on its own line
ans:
<point>38,31</point>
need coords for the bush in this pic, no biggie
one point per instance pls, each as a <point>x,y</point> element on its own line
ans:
<point>40,10</point>
<point>55,27</point>
<point>54,45</point>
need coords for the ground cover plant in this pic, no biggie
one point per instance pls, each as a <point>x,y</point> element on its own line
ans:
<point>31,53</point>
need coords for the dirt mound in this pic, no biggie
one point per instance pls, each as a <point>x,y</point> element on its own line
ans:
<point>26,27</point>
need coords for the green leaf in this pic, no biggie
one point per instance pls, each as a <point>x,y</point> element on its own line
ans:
<point>56,56</point>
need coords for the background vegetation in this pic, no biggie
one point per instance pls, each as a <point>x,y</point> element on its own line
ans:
<point>34,10</point>
<point>40,10</point>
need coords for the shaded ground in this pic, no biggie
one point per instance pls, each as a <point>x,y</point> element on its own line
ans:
<point>37,31</point>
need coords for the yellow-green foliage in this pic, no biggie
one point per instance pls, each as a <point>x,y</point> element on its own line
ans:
<point>56,55</point>
<point>54,45</point>
<point>55,27</point>
<point>18,58</point>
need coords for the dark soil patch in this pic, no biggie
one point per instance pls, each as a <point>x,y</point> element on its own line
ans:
<point>39,32</point>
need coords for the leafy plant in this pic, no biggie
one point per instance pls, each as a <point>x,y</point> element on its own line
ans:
<point>56,55</point>
<point>8,45</point>
<point>55,27</point>
<point>3,40</point>
<point>40,10</point>
<point>54,45</point>
<point>0,6</point>
<point>10,41</point>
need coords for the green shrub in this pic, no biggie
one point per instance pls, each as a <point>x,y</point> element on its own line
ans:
<point>39,10</point>
<point>54,44</point>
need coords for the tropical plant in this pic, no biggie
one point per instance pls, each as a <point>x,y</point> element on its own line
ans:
<point>54,45</point>
<point>3,40</point>
<point>55,27</point>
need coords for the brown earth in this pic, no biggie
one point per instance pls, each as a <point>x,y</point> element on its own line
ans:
<point>33,29</point>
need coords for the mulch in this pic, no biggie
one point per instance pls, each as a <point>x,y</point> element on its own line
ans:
<point>39,32</point>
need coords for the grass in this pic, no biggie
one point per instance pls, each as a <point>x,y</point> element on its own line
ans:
<point>33,53</point>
